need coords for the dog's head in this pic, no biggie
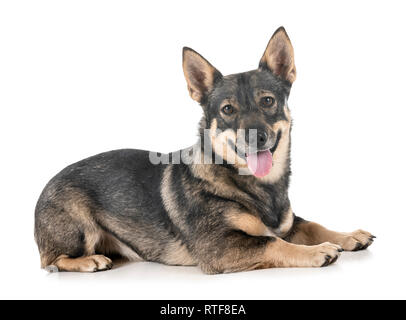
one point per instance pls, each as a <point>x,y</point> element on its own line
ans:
<point>246,114</point>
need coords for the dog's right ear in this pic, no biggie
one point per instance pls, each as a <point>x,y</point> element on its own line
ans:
<point>199,73</point>
<point>278,56</point>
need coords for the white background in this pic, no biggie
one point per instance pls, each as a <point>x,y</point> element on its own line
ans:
<point>82,77</point>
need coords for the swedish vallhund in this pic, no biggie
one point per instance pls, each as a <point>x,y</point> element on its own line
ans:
<point>222,204</point>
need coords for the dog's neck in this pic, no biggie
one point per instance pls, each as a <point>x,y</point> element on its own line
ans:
<point>265,199</point>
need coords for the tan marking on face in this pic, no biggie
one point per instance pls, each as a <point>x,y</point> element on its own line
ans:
<point>259,94</point>
<point>281,154</point>
<point>248,223</point>
<point>221,146</point>
<point>233,102</point>
<point>287,113</point>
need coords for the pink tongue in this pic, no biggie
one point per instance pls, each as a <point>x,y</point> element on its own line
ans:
<point>260,163</point>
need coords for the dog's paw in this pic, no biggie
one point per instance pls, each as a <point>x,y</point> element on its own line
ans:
<point>83,264</point>
<point>324,254</point>
<point>357,240</point>
<point>96,263</point>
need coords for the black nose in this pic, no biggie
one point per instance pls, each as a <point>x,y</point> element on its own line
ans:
<point>261,137</point>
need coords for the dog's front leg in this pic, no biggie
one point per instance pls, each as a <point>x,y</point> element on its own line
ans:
<point>310,233</point>
<point>238,251</point>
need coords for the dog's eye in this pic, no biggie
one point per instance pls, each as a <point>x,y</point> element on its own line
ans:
<point>267,102</point>
<point>228,109</point>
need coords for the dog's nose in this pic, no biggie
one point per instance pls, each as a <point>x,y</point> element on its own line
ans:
<point>261,138</point>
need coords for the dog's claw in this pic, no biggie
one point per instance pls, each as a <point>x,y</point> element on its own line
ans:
<point>358,246</point>
<point>327,261</point>
<point>334,260</point>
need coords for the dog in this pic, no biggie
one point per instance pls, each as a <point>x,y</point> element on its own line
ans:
<point>224,207</point>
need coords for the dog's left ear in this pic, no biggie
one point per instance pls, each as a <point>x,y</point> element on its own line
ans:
<point>199,73</point>
<point>278,56</point>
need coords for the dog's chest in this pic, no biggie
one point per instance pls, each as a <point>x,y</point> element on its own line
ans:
<point>285,224</point>
<point>274,211</point>
<point>255,226</point>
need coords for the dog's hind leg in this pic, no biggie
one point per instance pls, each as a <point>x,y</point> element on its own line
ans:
<point>67,234</point>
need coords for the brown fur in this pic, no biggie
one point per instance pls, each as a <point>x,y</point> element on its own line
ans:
<point>253,225</point>
<point>277,253</point>
<point>279,56</point>
<point>177,254</point>
<point>311,233</point>
<point>248,223</point>
<point>220,217</point>
<point>199,74</point>
<point>91,263</point>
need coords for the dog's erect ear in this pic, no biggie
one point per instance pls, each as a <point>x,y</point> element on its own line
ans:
<point>199,73</point>
<point>278,56</point>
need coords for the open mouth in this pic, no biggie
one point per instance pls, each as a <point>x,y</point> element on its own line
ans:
<point>259,162</point>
